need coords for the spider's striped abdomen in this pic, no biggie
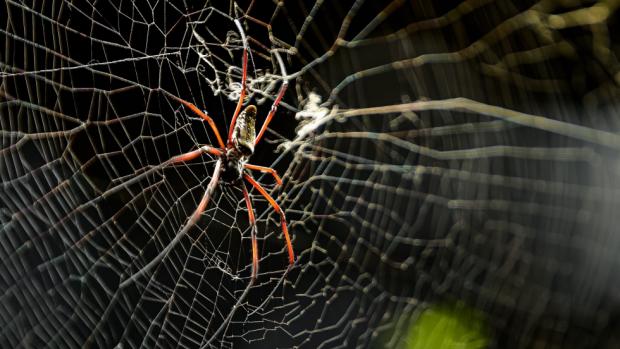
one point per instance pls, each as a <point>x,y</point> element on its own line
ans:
<point>244,135</point>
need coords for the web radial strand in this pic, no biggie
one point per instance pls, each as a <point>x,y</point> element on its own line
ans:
<point>441,162</point>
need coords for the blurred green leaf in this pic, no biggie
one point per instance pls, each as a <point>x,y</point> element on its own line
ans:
<point>451,326</point>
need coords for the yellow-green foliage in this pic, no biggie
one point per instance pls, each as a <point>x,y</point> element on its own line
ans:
<point>449,326</point>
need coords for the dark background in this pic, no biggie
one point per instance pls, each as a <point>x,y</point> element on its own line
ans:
<point>537,257</point>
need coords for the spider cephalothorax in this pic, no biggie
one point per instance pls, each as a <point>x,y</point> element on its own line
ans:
<point>232,165</point>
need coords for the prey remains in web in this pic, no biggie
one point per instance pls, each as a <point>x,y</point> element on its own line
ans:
<point>232,167</point>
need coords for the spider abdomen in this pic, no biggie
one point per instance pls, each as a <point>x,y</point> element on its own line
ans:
<point>244,134</point>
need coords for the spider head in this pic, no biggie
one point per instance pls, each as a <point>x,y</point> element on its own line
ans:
<point>244,134</point>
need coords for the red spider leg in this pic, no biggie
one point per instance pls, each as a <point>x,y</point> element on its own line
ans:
<point>204,116</point>
<point>195,153</point>
<point>248,202</point>
<point>274,108</point>
<point>263,169</point>
<point>243,82</point>
<point>191,221</point>
<point>173,160</point>
<point>289,245</point>
<point>276,102</point>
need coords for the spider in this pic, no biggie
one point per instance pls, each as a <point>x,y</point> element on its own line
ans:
<point>232,165</point>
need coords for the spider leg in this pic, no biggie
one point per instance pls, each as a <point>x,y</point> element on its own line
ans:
<point>263,169</point>
<point>190,155</point>
<point>190,222</point>
<point>195,153</point>
<point>289,245</point>
<point>173,160</point>
<point>243,81</point>
<point>276,102</point>
<point>204,116</point>
<point>248,202</point>
<point>274,108</point>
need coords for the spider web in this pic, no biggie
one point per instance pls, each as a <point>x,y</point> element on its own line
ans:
<point>431,152</point>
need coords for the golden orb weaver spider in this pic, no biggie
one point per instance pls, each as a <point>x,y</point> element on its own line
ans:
<point>231,166</point>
